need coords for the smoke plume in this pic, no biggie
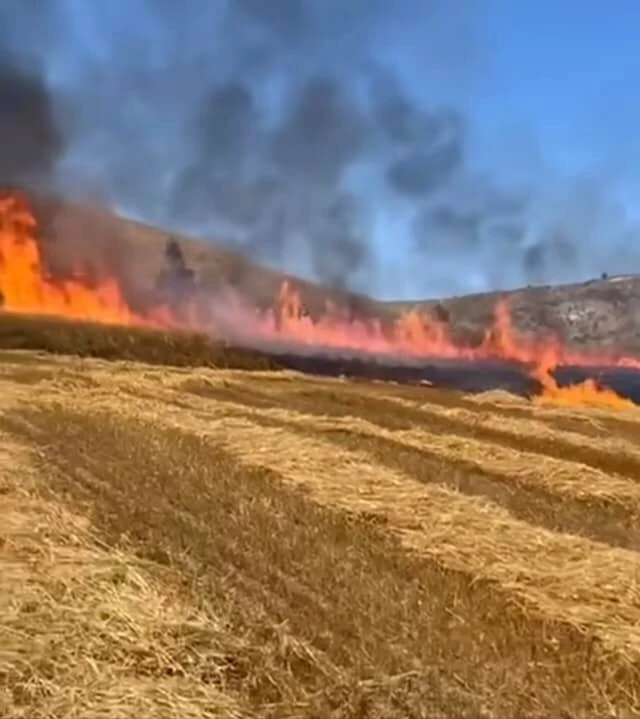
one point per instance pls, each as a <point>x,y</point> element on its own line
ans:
<point>282,128</point>
<point>31,140</point>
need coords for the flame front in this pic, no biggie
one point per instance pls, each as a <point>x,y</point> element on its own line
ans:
<point>26,288</point>
<point>587,394</point>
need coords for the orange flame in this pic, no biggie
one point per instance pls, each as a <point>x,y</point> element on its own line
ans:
<point>587,394</point>
<point>25,287</point>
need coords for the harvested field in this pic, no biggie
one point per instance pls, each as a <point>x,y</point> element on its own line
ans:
<point>201,542</point>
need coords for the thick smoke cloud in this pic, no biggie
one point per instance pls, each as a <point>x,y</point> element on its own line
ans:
<point>281,127</point>
<point>429,145</point>
<point>31,140</point>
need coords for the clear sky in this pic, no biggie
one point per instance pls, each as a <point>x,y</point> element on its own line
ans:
<point>568,70</point>
<point>549,92</point>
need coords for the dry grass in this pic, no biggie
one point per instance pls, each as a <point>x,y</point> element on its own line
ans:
<point>192,542</point>
<point>20,332</point>
<point>88,630</point>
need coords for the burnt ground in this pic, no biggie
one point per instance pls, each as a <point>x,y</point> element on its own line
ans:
<point>461,375</point>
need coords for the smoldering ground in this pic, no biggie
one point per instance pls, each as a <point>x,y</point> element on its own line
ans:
<point>283,129</point>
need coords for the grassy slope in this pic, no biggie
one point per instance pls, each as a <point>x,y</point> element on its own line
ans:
<point>220,543</point>
<point>135,251</point>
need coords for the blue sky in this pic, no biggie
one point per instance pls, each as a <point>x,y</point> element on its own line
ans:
<point>550,90</point>
<point>555,96</point>
<point>569,70</point>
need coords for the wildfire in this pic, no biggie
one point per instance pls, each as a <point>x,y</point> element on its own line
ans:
<point>26,287</point>
<point>587,393</point>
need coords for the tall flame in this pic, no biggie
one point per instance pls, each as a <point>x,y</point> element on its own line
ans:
<point>25,287</point>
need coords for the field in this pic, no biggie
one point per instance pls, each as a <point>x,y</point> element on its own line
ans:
<point>186,532</point>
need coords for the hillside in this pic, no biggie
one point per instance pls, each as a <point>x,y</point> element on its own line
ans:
<point>91,236</point>
<point>600,313</point>
<point>198,543</point>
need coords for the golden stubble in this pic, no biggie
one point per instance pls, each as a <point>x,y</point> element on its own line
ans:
<point>559,577</point>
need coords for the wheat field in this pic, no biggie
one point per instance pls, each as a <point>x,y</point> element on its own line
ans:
<point>192,542</point>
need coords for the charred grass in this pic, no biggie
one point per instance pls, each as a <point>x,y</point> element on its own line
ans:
<point>222,543</point>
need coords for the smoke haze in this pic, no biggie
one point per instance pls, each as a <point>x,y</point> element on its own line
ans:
<point>284,128</point>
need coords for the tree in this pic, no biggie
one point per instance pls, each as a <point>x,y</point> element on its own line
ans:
<point>176,281</point>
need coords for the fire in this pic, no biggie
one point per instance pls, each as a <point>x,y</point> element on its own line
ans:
<point>587,393</point>
<point>26,287</point>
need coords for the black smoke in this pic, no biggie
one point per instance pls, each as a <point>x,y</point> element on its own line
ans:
<point>254,122</point>
<point>31,140</point>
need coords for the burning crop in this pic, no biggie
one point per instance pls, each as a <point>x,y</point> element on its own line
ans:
<point>27,287</point>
